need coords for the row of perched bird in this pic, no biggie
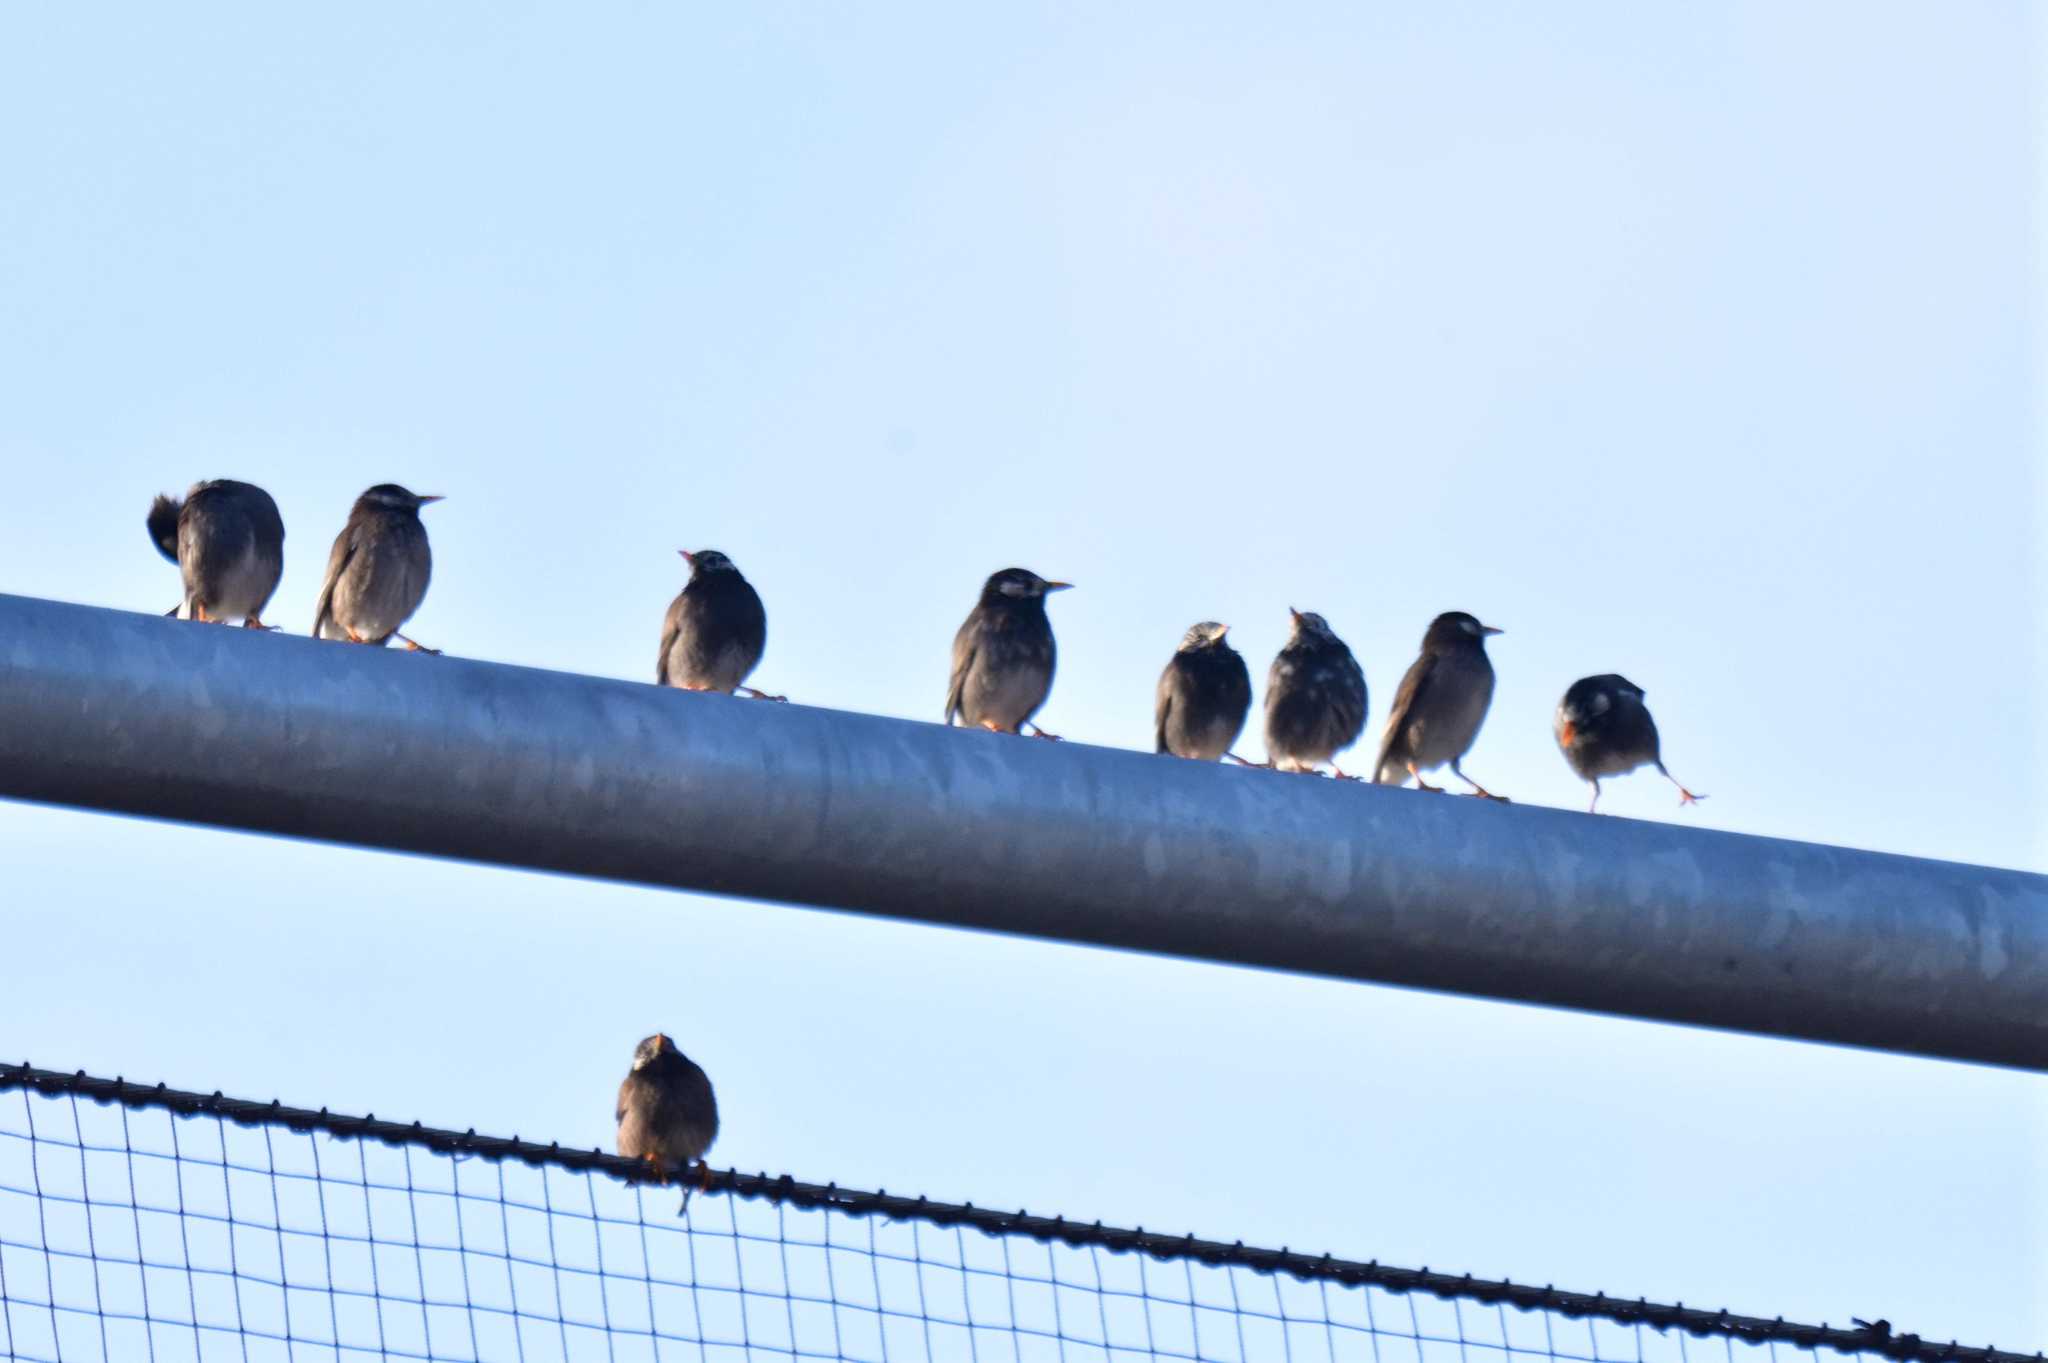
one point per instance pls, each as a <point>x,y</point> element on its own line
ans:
<point>227,539</point>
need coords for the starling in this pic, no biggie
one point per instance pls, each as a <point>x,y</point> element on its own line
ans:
<point>1604,729</point>
<point>667,1113</point>
<point>1315,698</point>
<point>1440,706</point>
<point>1204,694</point>
<point>1003,655</point>
<point>377,574</point>
<point>228,542</point>
<point>715,630</point>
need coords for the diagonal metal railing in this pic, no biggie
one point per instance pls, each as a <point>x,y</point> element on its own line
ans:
<point>135,714</point>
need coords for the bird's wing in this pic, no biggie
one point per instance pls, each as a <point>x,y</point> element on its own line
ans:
<point>963,663</point>
<point>671,630</point>
<point>1162,708</point>
<point>344,550</point>
<point>1412,687</point>
<point>625,1087</point>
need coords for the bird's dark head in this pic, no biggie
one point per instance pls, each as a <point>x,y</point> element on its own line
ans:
<point>704,561</point>
<point>1207,634</point>
<point>392,497</point>
<point>1019,584</point>
<point>1454,629</point>
<point>1589,700</point>
<point>652,1049</point>
<point>1310,627</point>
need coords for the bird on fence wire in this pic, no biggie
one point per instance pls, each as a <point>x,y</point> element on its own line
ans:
<point>715,630</point>
<point>1315,698</point>
<point>1003,656</point>
<point>228,542</point>
<point>1440,705</point>
<point>667,1113</point>
<point>1204,694</point>
<point>1604,729</point>
<point>378,571</point>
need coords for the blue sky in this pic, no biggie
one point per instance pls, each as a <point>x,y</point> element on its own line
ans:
<point>1698,344</point>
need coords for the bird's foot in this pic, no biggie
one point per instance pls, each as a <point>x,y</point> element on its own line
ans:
<point>1482,793</point>
<point>356,638</point>
<point>1244,762</point>
<point>1339,773</point>
<point>1421,784</point>
<point>994,727</point>
<point>1686,797</point>
<point>411,646</point>
<point>703,1185</point>
<point>199,614</point>
<point>1037,732</point>
<point>763,695</point>
<point>253,623</point>
<point>660,1170</point>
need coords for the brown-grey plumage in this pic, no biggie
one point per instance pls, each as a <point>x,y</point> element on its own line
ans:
<point>1604,729</point>
<point>1315,698</point>
<point>715,631</point>
<point>227,539</point>
<point>1440,705</point>
<point>667,1113</point>
<point>1003,655</point>
<point>1204,694</point>
<point>378,571</point>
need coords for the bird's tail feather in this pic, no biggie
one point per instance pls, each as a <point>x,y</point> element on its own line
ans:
<point>163,525</point>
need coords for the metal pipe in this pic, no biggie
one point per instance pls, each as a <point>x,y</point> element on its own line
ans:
<point>519,767</point>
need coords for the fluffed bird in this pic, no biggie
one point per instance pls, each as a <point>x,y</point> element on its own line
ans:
<point>667,1113</point>
<point>1315,698</point>
<point>378,571</point>
<point>1204,694</point>
<point>1604,729</point>
<point>228,542</point>
<point>715,631</point>
<point>1440,705</point>
<point>1003,656</point>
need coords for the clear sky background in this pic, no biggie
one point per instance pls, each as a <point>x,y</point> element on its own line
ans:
<point>1699,343</point>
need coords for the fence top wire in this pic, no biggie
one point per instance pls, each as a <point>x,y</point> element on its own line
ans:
<point>1875,1337</point>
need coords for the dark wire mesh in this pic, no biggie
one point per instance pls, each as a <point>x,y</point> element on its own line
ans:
<point>134,1230</point>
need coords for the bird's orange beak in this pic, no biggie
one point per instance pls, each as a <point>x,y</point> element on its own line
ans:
<point>1567,733</point>
<point>688,557</point>
<point>661,1041</point>
<point>437,497</point>
<point>1489,629</point>
<point>1294,615</point>
<point>1058,586</point>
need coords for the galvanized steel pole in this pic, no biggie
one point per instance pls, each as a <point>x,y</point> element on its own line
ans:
<point>141,715</point>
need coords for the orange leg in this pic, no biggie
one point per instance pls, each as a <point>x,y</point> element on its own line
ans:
<point>1481,791</point>
<point>1038,731</point>
<point>199,612</point>
<point>1685,797</point>
<point>1421,784</point>
<point>412,647</point>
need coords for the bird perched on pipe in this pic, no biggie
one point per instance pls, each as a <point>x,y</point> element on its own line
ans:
<point>1003,656</point>
<point>667,1113</point>
<point>1440,705</point>
<point>1604,729</point>
<point>1315,698</point>
<point>378,571</point>
<point>715,631</point>
<point>1204,694</point>
<point>228,542</point>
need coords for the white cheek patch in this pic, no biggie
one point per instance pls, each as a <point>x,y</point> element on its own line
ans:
<point>1468,627</point>
<point>1602,703</point>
